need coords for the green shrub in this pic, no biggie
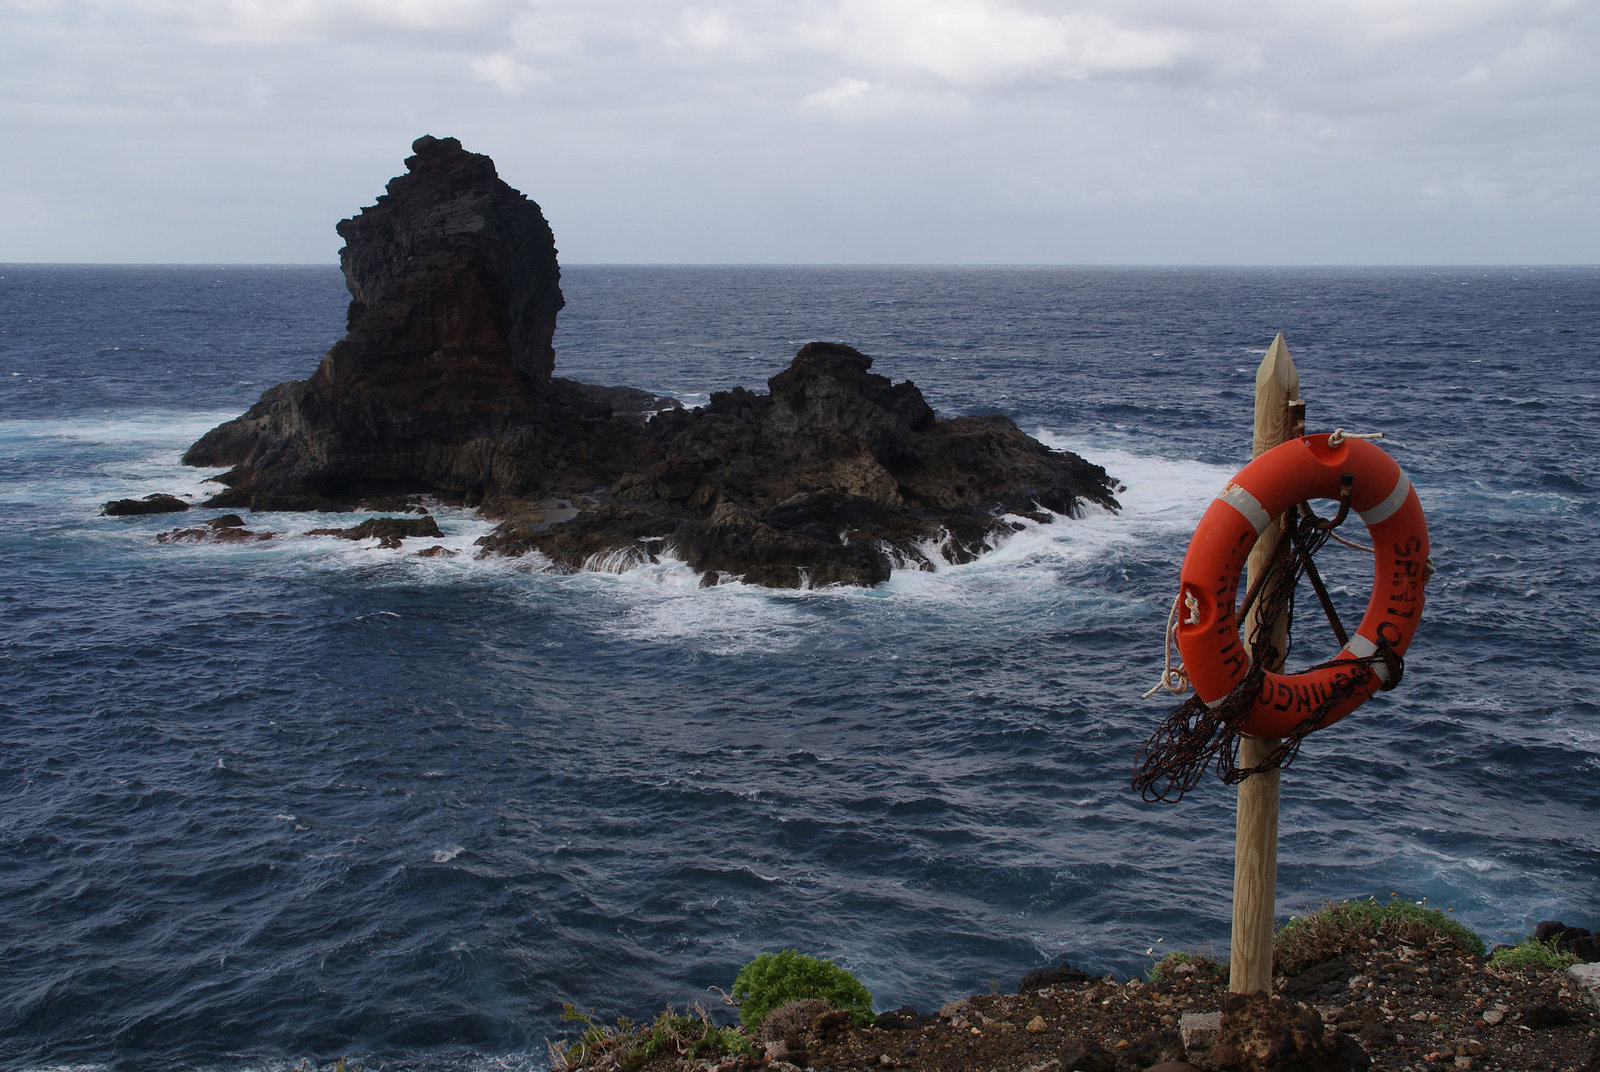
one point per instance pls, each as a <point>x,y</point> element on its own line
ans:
<point>1352,925</point>
<point>1532,953</point>
<point>775,979</point>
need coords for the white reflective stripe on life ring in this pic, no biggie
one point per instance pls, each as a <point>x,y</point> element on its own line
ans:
<point>1248,505</point>
<point>1377,515</point>
<point>1362,648</point>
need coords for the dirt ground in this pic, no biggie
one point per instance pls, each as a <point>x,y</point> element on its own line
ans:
<point>1392,1006</point>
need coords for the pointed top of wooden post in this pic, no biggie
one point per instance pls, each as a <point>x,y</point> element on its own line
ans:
<point>1277,383</point>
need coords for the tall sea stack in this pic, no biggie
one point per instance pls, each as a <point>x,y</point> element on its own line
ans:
<point>442,383</point>
<point>451,264</point>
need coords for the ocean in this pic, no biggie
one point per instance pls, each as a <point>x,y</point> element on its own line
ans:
<point>270,804</point>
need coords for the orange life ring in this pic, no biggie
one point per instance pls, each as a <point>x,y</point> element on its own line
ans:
<point>1207,633</point>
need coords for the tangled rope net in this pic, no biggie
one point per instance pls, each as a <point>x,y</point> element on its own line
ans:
<point>1196,735</point>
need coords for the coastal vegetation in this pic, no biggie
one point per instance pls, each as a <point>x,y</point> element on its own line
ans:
<point>1304,941</point>
<point>773,980</point>
<point>1531,953</point>
<point>691,1035</point>
<point>1185,962</point>
<point>1307,940</point>
<point>1386,984</point>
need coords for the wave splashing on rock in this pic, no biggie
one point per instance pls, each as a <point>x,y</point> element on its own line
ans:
<point>443,385</point>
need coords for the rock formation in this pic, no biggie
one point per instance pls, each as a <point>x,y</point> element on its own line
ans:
<point>443,386</point>
<point>835,476</point>
<point>159,503</point>
<point>388,531</point>
<point>442,382</point>
<point>229,528</point>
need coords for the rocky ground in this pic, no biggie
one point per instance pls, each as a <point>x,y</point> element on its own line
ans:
<point>1388,1006</point>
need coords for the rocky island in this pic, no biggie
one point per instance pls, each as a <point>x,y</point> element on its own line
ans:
<point>443,386</point>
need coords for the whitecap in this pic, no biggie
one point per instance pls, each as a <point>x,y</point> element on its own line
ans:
<point>1156,488</point>
<point>659,597</point>
<point>663,602</point>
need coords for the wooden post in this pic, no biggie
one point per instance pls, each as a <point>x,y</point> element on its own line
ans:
<point>1279,417</point>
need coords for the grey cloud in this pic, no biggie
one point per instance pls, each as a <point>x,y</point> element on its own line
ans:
<point>1377,130</point>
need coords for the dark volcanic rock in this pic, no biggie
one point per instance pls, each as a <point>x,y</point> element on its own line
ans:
<point>1545,1014</point>
<point>150,504</point>
<point>1579,941</point>
<point>835,477</point>
<point>1065,975</point>
<point>211,533</point>
<point>1271,1034</point>
<point>450,264</point>
<point>389,531</point>
<point>443,386</point>
<point>442,383</point>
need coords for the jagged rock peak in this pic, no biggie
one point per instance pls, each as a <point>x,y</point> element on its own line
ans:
<point>442,382</point>
<point>828,388</point>
<point>450,260</point>
<point>429,149</point>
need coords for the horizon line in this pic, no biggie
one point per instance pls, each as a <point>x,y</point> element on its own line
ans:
<point>1172,265</point>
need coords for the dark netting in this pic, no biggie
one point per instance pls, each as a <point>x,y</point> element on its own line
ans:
<point>1197,735</point>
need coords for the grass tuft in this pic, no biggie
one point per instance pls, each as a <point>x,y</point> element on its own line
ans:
<point>1348,926</point>
<point>1532,953</point>
<point>1168,967</point>
<point>690,1034</point>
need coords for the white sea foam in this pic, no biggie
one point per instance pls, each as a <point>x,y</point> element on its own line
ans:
<point>76,465</point>
<point>1161,499</point>
<point>156,426</point>
<point>661,601</point>
<point>139,456</point>
<point>659,598</point>
<point>618,560</point>
<point>1157,490</point>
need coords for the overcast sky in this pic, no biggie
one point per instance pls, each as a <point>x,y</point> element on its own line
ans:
<point>893,131</point>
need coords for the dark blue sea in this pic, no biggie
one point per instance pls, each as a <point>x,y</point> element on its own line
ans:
<point>271,804</point>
